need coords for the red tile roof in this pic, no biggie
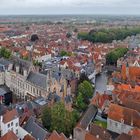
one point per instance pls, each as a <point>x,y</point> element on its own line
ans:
<point>9,116</point>
<point>128,116</point>
<point>56,136</point>
<point>28,137</point>
<point>89,136</point>
<point>9,136</point>
<point>135,132</point>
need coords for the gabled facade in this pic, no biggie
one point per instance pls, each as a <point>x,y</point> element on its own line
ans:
<point>9,122</point>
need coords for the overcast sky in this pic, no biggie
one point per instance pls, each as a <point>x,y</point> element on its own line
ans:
<point>70,7</point>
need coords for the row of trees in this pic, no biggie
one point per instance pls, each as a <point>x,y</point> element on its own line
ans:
<point>108,35</point>
<point>59,119</point>
<point>113,56</point>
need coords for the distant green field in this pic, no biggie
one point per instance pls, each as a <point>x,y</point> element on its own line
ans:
<point>101,123</point>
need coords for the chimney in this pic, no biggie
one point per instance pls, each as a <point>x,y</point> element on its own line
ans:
<point>122,121</point>
<point>1,118</point>
<point>25,72</point>
<point>10,67</point>
<point>17,69</point>
<point>132,121</point>
<point>97,136</point>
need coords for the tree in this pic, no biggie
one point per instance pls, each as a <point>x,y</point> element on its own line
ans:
<point>68,35</point>
<point>36,63</point>
<point>111,58</point>
<point>64,53</point>
<point>114,55</point>
<point>101,37</point>
<point>46,118</point>
<point>87,91</point>
<point>83,77</point>
<point>75,30</point>
<point>34,37</point>
<point>80,102</point>
<point>5,53</point>
<point>27,28</point>
<point>25,58</point>
<point>61,119</point>
<point>83,35</point>
<point>84,94</point>
<point>108,35</point>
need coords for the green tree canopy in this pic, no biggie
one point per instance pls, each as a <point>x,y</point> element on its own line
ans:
<point>83,77</point>
<point>80,104</point>
<point>87,90</point>
<point>59,119</point>
<point>34,37</point>
<point>84,94</point>
<point>36,63</point>
<point>68,35</point>
<point>114,55</point>
<point>64,53</point>
<point>5,53</point>
<point>46,118</point>
<point>108,35</point>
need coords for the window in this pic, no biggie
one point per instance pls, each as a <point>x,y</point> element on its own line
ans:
<point>16,131</point>
<point>116,124</point>
<point>49,89</point>
<point>31,89</point>
<point>8,125</point>
<point>39,92</point>
<point>16,124</point>
<point>11,123</point>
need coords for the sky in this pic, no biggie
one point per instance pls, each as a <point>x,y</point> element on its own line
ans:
<point>48,7</point>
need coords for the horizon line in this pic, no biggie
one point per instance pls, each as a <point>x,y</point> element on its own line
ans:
<point>69,14</point>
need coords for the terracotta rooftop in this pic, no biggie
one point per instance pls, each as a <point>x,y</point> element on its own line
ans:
<point>100,132</point>
<point>89,136</point>
<point>127,137</point>
<point>124,115</point>
<point>132,104</point>
<point>9,136</point>
<point>126,88</point>
<point>10,115</point>
<point>135,132</point>
<point>100,99</point>
<point>28,137</point>
<point>56,136</point>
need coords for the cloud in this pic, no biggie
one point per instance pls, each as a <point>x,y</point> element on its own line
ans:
<point>70,6</point>
<point>53,3</point>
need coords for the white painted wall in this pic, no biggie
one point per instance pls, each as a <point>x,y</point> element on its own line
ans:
<point>43,58</point>
<point>1,78</point>
<point>5,128</point>
<point>22,133</point>
<point>118,127</point>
